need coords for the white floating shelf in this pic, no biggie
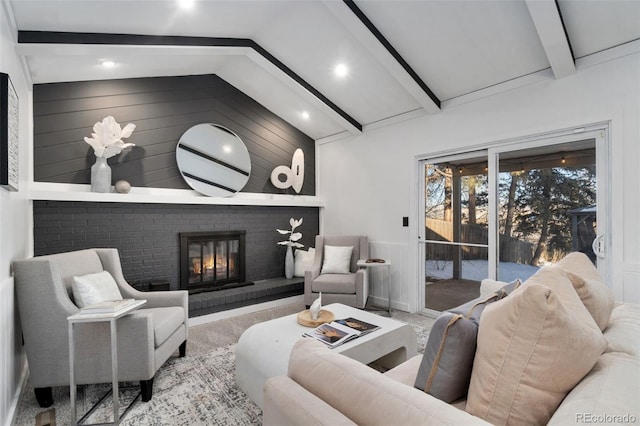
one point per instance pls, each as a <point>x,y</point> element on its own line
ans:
<point>75,192</point>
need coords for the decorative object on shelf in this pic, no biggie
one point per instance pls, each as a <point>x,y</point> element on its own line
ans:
<point>9,132</point>
<point>106,142</point>
<point>213,160</point>
<point>294,237</point>
<point>100,176</point>
<point>294,176</point>
<point>122,187</point>
<point>315,307</point>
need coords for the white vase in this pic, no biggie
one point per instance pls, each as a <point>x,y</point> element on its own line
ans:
<point>100,176</point>
<point>288,263</point>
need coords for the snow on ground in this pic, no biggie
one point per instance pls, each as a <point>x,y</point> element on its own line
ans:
<point>478,270</point>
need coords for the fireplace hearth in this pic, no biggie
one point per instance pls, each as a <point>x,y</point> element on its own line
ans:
<point>212,260</point>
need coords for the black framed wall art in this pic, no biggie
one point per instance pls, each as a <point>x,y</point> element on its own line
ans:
<point>8,134</point>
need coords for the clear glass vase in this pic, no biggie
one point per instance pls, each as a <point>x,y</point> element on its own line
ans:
<point>100,176</point>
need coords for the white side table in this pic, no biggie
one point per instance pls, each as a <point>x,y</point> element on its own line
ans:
<point>84,318</point>
<point>386,264</point>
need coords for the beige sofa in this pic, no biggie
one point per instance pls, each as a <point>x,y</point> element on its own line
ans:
<point>325,388</point>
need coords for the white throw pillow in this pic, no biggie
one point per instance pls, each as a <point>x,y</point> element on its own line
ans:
<point>337,260</point>
<point>489,286</point>
<point>304,261</point>
<point>94,288</point>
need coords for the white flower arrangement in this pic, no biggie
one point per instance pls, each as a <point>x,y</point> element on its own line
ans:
<point>293,236</point>
<point>106,140</point>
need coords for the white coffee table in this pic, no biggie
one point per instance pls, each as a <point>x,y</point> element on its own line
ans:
<point>263,349</point>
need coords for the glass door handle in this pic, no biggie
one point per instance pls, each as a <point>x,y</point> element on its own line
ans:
<point>598,246</point>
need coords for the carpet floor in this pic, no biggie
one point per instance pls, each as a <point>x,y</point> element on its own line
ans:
<point>199,389</point>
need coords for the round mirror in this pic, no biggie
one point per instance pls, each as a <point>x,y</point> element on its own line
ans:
<point>213,160</point>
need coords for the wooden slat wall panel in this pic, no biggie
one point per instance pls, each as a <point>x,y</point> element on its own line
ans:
<point>162,108</point>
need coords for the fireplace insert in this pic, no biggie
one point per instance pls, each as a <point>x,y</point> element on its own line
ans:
<point>212,260</point>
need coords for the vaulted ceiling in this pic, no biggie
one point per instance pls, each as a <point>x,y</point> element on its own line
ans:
<point>402,57</point>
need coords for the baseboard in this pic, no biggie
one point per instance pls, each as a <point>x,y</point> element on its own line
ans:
<point>203,319</point>
<point>15,402</point>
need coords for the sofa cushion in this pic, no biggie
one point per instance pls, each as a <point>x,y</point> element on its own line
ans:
<point>607,395</point>
<point>557,279</point>
<point>303,261</point>
<point>596,296</point>
<point>165,322</point>
<point>75,263</point>
<point>363,394</point>
<point>580,264</point>
<point>288,403</point>
<point>94,288</point>
<point>445,369</point>
<point>337,260</point>
<point>334,283</point>
<point>532,350</point>
<point>405,373</point>
<point>623,332</point>
<point>446,366</point>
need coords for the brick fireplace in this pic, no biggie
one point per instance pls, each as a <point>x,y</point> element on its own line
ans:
<point>147,236</point>
<point>212,260</point>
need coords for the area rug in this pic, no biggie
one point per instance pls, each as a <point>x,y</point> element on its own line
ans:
<point>199,389</point>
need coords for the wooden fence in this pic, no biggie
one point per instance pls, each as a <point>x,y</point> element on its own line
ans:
<point>511,249</point>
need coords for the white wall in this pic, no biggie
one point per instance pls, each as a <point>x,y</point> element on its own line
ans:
<point>368,181</point>
<point>15,238</point>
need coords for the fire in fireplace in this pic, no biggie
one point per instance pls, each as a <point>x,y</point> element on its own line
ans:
<point>212,260</point>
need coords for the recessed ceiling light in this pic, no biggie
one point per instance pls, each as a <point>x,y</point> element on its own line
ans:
<point>341,70</point>
<point>186,4</point>
<point>108,64</point>
<point>305,115</point>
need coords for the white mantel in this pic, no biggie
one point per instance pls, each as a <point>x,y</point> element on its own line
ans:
<point>76,192</point>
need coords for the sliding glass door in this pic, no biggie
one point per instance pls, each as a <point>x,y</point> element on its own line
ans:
<point>505,212</point>
<point>455,229</point>
<point>547,206</point>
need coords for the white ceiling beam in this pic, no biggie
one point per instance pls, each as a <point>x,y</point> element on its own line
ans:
<point>351,22</point>
<point>548,23</point>
<point>45,49</point>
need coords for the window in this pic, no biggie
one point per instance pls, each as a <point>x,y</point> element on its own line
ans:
<point>506,211</point>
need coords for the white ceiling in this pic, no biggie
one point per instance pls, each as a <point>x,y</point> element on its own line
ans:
<point>455,47</point>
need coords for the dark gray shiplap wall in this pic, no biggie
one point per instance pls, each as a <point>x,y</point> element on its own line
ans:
<point>162,108</point>
<point>146,235</point>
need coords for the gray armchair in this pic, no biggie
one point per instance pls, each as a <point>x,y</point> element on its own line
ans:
<point>350,289</point>
<point>146,338</point>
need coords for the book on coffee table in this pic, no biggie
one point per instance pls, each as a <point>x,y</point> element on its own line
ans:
<point>339,332</point>
<point>332,334</point>
<point>359,325</point>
